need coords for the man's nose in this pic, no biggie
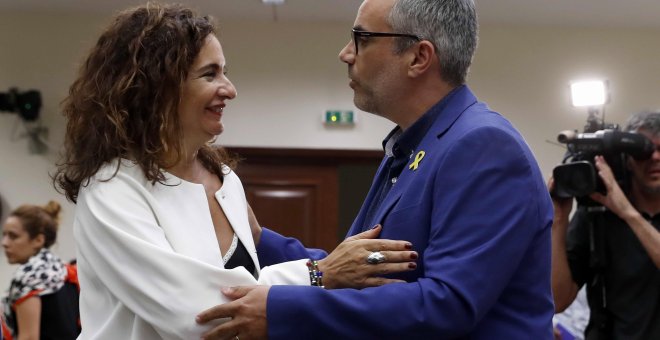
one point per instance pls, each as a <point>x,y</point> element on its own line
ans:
<point>347,54</point>
<point>656,153</point>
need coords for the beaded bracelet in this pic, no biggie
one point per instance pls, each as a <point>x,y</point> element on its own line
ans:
<point>315,275</point>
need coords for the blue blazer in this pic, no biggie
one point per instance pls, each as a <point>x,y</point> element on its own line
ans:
<point>477,210</point>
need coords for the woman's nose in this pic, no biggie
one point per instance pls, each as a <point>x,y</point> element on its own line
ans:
<point>227,90</point>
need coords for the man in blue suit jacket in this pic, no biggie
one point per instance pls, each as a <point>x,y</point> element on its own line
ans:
<point>458,182</point>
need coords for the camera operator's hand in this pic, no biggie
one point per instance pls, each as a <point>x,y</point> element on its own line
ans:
<point>618,203</point>
<point>564,289</point>
<point>614,199</point>
<point>562,206</point>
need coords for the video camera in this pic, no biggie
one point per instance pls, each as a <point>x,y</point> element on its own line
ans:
<point>27,104</point>
<point>579,178</point>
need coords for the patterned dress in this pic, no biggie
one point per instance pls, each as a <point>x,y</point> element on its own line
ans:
<point>55,283</point>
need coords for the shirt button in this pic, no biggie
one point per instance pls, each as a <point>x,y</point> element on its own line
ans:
<point>394,180</point>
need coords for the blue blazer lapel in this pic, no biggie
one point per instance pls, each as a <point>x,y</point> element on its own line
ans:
<point>390,201</point>
<point>400,186</point>
<point>462,99</point>
<point>358,223</point>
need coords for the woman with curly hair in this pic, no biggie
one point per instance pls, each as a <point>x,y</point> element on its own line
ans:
<point>162,222</point>
<point>42,300</point>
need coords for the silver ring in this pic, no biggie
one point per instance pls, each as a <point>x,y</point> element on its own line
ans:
<point>375,258</point>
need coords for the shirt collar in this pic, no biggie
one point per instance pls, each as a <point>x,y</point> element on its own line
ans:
<point>653,219</point>
<point>399,143</point>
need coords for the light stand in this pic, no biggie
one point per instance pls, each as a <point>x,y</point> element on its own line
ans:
<point>594,95</point>
<point>273,4</point>
<point>594,123</point>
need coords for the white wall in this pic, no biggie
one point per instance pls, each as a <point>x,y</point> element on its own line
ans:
<point>37,51</point>
<point>287,74</point>
<point>524,72</point>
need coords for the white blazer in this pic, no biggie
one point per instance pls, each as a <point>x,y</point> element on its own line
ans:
<point>148,257</point>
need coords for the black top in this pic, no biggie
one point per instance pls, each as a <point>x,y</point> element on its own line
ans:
<point>631,279</point>
<point>59,314</point>
<point>241,257</point>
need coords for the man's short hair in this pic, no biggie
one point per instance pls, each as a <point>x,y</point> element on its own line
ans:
<point>450,25</point>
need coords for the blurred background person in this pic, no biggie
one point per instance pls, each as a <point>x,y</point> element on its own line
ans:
<point>42,300</point>
<point>571,323</point>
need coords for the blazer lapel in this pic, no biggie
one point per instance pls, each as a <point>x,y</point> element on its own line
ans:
<point>236,212</point>
<point>398,189</point>
<point>390,201</point>
<point>461,100</point>
<point>359,222</point>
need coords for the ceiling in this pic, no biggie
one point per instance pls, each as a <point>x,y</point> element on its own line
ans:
<point>591,13</point>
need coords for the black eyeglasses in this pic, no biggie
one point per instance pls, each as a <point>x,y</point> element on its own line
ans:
<point>356,35</point>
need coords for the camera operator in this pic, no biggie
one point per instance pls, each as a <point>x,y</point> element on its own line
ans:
<point>624,291</point>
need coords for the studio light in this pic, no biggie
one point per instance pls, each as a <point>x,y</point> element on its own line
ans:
<point>592,94</point>
<point>589,93</point>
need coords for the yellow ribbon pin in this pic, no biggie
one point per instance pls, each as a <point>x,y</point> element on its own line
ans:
<point>418,158</point>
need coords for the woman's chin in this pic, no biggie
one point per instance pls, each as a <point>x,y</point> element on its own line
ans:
<point>217,129</point>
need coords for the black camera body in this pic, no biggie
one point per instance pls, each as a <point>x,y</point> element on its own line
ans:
<point>578,177</point>
<point>27,104</point>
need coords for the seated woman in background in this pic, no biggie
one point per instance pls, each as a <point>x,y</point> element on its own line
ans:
<point>42,301</point>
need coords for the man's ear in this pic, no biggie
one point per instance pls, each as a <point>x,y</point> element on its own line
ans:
<point>424,57</point>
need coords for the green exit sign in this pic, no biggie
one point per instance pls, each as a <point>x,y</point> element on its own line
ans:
<point>339,117</point>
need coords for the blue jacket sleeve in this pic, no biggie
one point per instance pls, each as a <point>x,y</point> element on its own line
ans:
<point>485,213</point>
<point>274,248</point>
